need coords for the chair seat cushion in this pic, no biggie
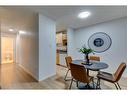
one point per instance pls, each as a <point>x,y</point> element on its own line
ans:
<point>106,76</point>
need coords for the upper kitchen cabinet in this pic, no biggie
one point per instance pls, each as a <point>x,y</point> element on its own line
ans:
<point>61,40</point>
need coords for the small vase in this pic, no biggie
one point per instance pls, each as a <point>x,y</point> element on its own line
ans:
<point>87,58</point>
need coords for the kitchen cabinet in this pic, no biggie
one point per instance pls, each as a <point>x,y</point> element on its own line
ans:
<point>61,43</point>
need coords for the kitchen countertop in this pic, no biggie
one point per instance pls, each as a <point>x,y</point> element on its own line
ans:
<point>62,51</point>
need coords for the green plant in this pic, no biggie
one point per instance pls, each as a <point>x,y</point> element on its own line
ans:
<point>85,50</point>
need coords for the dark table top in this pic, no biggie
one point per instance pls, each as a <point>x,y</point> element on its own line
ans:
<point>94,65</point>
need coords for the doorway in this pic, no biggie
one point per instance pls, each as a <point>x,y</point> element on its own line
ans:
<point>7,49</point>
<point>61,43</point>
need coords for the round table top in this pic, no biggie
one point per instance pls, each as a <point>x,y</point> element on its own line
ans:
<point>94,65</point>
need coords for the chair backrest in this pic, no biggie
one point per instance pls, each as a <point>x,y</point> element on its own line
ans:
<point>78,72</point>
<point>68,61</point>
<point>94,58</point>
<point>119,71</point>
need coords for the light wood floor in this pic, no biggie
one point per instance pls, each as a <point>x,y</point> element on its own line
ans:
<point>14,77</point>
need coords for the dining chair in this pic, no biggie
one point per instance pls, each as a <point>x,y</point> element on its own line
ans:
<point>68,61</point>
<point>78,73</point>
<point>113,78</point>
<point>94,58</point>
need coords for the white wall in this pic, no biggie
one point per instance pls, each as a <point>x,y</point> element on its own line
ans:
<point>28,48</point>
<point>17,47</point>
<point>70,43</point>
<point>117,53</point>
<point>27,43</point>
<point>47,47</point>
<point>36,45</point>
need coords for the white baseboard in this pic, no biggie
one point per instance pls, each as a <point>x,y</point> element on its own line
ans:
<point>46,77</point>
<point>28,72</point>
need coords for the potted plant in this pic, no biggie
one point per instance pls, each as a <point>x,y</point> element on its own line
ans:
<point>86,52</point>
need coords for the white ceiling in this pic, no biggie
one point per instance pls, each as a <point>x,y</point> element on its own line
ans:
<point>14,19</point>
<point>66,16</point>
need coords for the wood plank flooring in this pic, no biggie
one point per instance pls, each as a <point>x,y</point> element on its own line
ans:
<point>14,77</point>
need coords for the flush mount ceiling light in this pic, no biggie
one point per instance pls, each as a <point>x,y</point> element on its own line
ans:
<point>11,30</point>
<point>83,15</point>
<point>22,32</point>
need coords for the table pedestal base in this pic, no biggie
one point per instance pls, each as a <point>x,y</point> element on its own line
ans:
<point>87,87</point>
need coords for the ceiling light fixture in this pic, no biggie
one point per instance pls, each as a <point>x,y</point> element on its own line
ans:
<point>83,15</point>
<point>11,30</point>
<point>22,32</point>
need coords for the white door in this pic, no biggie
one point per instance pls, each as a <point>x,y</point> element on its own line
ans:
<point>7,49</point>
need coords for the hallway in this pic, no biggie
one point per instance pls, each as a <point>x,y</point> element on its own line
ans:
<point>12,74</point>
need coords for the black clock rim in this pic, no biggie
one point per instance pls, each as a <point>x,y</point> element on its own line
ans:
<point>104,34</point>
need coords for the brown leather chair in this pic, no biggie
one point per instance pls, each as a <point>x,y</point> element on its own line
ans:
<point>94,58</point>
<point>68,61</point>
<point>113,78</point>
<point>79,74</point>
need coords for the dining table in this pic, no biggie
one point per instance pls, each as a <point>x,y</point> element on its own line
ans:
<point>93,66</point>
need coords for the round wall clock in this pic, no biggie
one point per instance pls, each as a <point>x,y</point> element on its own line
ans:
<point>99,42</point>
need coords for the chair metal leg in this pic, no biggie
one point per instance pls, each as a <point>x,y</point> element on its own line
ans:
<point>77,83</point>
<point>118,85</point>
<point>66,75</point>
<point>93,82</point>
<point>98,83</point>
<point>71,83</point>
<point>88,85</point>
